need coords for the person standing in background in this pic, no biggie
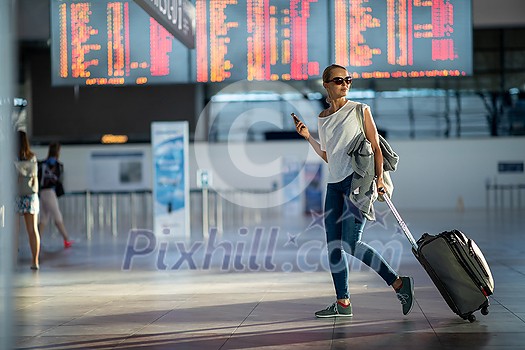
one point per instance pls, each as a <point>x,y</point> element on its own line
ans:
<point>27,202</point>
<point>50,176</point>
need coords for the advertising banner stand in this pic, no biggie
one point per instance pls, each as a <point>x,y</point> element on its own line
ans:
<point>171,188</point>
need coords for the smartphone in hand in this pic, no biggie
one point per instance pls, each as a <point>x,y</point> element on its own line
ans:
<point>295,118</point>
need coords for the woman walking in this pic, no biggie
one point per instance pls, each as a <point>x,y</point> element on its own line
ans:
<point>338,125</point>
<point>50,183</point>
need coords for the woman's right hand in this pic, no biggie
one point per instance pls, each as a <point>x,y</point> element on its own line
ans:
<point>302,130</point>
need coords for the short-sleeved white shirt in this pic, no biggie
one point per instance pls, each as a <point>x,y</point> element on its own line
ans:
<point>336,131</point>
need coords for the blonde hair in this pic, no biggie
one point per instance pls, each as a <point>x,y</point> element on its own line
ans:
<point>328,71</point>
<point>24,150</point>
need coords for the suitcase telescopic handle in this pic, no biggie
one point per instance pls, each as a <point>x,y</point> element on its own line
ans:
<point>399,219</point>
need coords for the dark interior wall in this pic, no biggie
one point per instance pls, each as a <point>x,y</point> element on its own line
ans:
<point>61,113</point>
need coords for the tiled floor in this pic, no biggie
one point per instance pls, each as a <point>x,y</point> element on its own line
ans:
<point>169,295</point>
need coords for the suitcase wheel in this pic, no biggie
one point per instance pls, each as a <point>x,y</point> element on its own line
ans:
<point>485,311</point>
<point>471,318</point>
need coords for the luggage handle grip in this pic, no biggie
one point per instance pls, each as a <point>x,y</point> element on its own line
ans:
<point>400,221</point>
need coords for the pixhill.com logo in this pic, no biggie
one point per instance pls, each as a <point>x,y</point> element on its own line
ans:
<point>256,250</point>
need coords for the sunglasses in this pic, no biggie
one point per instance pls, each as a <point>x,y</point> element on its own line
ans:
<point>341,80</point>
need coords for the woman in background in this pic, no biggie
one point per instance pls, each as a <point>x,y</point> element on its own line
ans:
<point>27,202</point>
<point>50,182</point>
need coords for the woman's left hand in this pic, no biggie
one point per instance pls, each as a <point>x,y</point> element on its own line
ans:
<point>381,189</point>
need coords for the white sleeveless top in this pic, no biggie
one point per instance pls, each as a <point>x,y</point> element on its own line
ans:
<point>336,131</point>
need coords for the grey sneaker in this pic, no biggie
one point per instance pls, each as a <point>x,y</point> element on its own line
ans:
<point>335,310</point>
<point>405,294</point>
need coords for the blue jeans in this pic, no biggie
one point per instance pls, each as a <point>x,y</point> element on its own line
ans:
<point>344,227</point>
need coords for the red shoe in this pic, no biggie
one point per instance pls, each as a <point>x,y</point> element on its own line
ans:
<point>68,244</point>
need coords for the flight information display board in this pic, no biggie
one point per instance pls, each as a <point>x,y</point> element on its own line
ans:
<point>295,40</point>
<point>403,38</point>
<point>103,42</point>
<point>261,39</point>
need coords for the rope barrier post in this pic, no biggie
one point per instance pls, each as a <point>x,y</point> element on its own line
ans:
<point>89,216</point>
<point>114,226</point>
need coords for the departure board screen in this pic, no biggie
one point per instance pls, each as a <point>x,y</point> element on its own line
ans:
<point>261,39</point>
<point>103,42</point>
<point>403,38</point>
<point>295,40</point>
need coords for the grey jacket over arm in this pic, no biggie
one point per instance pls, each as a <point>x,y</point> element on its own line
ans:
<point>363,187</point>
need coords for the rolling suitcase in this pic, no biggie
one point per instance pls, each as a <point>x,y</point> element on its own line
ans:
<point>456,266</point>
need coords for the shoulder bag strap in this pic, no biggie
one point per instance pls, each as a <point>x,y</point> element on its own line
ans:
<point>360,117</point>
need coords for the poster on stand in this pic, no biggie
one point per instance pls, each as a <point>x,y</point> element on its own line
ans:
<point>171,192</point>
<point>119,170</point>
